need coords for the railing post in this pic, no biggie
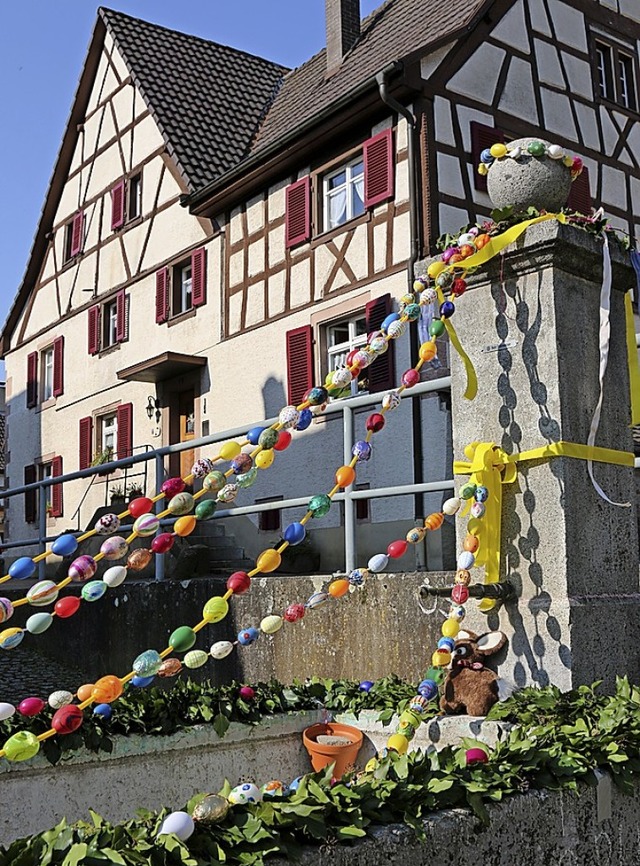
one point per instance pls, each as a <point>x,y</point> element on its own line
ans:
<point>159,506</point>
<point>349,506</point>
<point>42,528</point>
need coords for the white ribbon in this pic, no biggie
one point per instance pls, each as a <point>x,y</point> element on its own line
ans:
<point>604,336</point>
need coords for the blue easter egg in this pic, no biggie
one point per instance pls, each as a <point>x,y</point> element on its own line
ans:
<point>447,309</point>
<point>365,685</point>
<point>428,689</point>
<point>248,636</point>
<point>392,317</point>
<point>295,784</point>
<point>294,533</point>
<point>22,568</point>
<point>103,710</point>
<point>94,590</point>
<point>447,643</point>
<point>141,682</point>
<point>254,434</point>
<point>361,450</point>
<point>486,156</point>
<point>304,420</point>
<point>481,494</point>
<point>65,545</point>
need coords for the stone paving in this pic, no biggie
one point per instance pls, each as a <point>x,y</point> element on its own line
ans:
<point>25,672</point>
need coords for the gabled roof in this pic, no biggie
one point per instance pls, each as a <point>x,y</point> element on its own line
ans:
<point>397,29</point>
<point>207,99</point>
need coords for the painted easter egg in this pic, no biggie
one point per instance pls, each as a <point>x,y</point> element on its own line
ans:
<point>59,699</point>
<point>245,793</point>
<point>248,636</point>
<point>201,467</point>
<point>6,711</point>
<point>450,628</point>
<point>42,593</point>
<point>239,582</point>
<point>215,609</point>
<point>268,560</point>
<point>294,612</point>
<point>391,400</point>
<point>319,505</point>
<point>115,575</point>
<point>478,509</point>
<point>271,624</point>
<point>230,450</point>
<point>38,623</point>
<point>162,543</point>
<point>10,638</point>
<point>182,503</point>
<point>212,810</point>
<point>103,710</point>
<point>452,506</point>
<point>172,486</point>
<point>179,824</point>
<point>269,437</point>
<point>466,560</point>
<point>229,492</point>
<point>357,576</point>
<point>361,450</point>
<point>375,422</point>
<point>338,588</point>
<point>398,548</point>
<point>206,508</point>
<point>246,479</point>
<point>147,664</point>
<point>214,481</point>
<point>146,524</point>
<point>141,682</point>
<point>428,689</point>
<point>317,599</point>
<point>274,788</point>
<point>242,463</point>
<point>221,649</point>
<point>107,524</point>
<point>83,568</point>
<point>139,559</point>
<point>67,719</point>
<point>106,689</point>
<point>459,593</point>
<point>265,459</point>
<point>170,668</point>
<point>416,535</point>
<point>114,548</point>
<point>195,659</point>
<point>182,639</point>
<point>6,609</point>
<point>23,568</point>
<point>64,545</point>
<point>22,746</point>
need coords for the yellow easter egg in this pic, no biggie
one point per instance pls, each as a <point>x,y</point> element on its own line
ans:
<point>440,658</point>
<point>268,560</point>
<point>450,628</point>
<point>435,268</point>
<point>185,525</point>
<point>215,609</point>
<point>230,450</point>
<point>497,150</point>
<point>398,743</point>
<point>482,169</point>
<point>271,624</point>
<point>264,459</point>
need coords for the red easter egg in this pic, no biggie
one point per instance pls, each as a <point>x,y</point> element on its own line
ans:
<point>67,606</point>
<point>410,377</point>
<point>140,506</point>
<point>247,693</point>
<point>476,756</point>
<point>171,487</point>
<point>284,440</point>
<point>294,612</point>
<point>375,422</point>
<point>67,719</point>
<point>162,543</point>
<point>397,548</point>
<point>459,593</point>
<point>239,582</point>
<point>458,287</point>
<point>31,706</point>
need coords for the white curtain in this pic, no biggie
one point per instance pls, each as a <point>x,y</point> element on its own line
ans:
<point>338,207</point>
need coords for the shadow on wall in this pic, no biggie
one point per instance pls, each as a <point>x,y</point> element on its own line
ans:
<point>521,543</point>
<point>273,397</point>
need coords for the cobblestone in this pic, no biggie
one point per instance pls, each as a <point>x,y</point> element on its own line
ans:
<point>25,672</point>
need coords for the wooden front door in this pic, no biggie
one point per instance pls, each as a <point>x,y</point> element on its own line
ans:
<point>187,416</point>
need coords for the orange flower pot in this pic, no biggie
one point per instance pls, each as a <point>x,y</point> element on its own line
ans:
<point>322,754</point>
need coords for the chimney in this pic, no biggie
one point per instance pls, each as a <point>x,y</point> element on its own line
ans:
<point>343,30</point>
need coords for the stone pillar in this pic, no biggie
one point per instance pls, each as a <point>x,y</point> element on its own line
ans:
<point>530,323</point>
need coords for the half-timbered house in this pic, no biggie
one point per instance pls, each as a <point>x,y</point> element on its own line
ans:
<point>220,231</point>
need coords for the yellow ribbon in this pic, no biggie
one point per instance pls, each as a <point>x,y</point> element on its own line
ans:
<point>632,353</point>
<point>488,251</point>
<point>491,467</point>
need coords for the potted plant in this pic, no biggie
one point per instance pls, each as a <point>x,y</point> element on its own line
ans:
<point>134,491</point>
<point>100,457</point>
<point>332,743</point>
<point>116,493</point>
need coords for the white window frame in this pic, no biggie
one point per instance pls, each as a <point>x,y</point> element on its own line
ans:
<point>108,428</point>
<point>134,197</point>
<point>351,180</point>
<point>336,354</point>
<point>603,59</point>
<point>47,366</point>
<point>186,289</point>
<point>110,329</point>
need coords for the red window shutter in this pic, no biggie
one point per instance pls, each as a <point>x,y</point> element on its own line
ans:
<point>117,205</point>
<point>121,316</point>
<point>77,233</point>
<point>31,496</point>
<point>124,421</point>
<point>378,168</point>
<point>162,295</point>
<point>58,366</point>
<point>482,137</point>
<point>56,489</point>
<point>94,330</point>
<point>32,379</point>
<point>382,371</point>
<point>297,219</point>
<point>85,439</point>
<point>198,277</point>
<point>580,196</point>
<point>299,363</point>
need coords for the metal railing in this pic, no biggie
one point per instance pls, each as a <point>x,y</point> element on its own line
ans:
<point>349,496</point>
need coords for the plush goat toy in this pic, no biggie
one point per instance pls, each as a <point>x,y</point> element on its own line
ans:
<point>469,686</point>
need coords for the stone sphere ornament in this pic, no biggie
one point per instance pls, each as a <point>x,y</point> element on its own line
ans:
<point>527,175</point>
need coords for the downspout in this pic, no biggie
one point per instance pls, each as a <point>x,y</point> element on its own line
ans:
<point>414,228</point>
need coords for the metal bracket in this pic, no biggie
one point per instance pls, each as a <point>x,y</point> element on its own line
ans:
<point>503,591</point>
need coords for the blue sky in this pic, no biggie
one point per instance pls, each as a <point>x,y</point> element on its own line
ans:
<point>42,48</point>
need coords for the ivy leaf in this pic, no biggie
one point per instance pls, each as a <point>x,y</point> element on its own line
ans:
<point>77,853</point>
<point>221,724</point>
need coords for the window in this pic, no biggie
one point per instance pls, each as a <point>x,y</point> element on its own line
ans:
<point>269,521</point>
<point>134,198</point>
<point>73,237</point>
<point>343,194</point>
<point>108,432</point>
<point>182,298</point>
<point>108,324</point>
<point>46,359</point>
<point>342,338</point>
<point>48,468</point>
<point>45,373</point>
<point>616,74</point>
